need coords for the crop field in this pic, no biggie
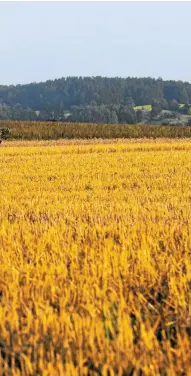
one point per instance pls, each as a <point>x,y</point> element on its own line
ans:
<point>148,107</point>
<point>31,130</point>
<point>145,107</point>
<point>95,255</point>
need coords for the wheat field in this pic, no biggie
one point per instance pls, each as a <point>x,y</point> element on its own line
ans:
<point>95,255</point>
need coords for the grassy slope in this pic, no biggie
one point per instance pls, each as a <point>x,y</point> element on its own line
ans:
<point>146,107</point>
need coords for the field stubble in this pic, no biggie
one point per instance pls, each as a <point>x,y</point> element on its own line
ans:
<point>95,249</point>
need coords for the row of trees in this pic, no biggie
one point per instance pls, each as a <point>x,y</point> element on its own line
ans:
<point>173,106</point>
<point>113,114</point>
<point>88,114</point>
<point>110,114</point>
<point>17,113</point>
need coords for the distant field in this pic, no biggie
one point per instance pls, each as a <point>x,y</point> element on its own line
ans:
<point>95,242</point>
<point>146,107</point>
<point>48,130</point>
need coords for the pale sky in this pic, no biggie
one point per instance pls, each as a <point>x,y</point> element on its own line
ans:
<point>47,40</point>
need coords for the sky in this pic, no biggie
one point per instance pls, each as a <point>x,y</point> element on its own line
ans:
<point>47,40</point>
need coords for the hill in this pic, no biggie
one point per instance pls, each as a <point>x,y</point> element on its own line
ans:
<point>92,99</point>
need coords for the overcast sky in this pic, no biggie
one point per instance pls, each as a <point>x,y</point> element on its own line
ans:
<point>47,40</point>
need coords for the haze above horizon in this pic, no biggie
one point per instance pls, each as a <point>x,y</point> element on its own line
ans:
<point>49,40</point>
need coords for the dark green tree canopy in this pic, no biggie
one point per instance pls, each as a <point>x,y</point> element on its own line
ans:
<point>99,99</point>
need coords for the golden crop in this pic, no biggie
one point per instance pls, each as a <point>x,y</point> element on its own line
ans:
<point>95,256</point>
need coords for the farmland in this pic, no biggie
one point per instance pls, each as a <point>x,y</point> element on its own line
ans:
<point>33,130</point>
<point>95,249</point>
<point>146,107</point>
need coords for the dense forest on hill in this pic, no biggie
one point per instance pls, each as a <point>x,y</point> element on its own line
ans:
<point>94,99</point>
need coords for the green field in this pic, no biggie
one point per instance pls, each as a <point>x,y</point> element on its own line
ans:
<point>145,107</point>
<point>148,107</point>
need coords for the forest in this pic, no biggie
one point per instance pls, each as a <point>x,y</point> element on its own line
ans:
<point>95,99</point>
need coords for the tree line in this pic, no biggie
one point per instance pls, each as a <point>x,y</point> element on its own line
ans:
<point>92,99</point>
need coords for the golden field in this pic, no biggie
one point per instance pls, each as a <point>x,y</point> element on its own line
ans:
<point>95,255</point>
